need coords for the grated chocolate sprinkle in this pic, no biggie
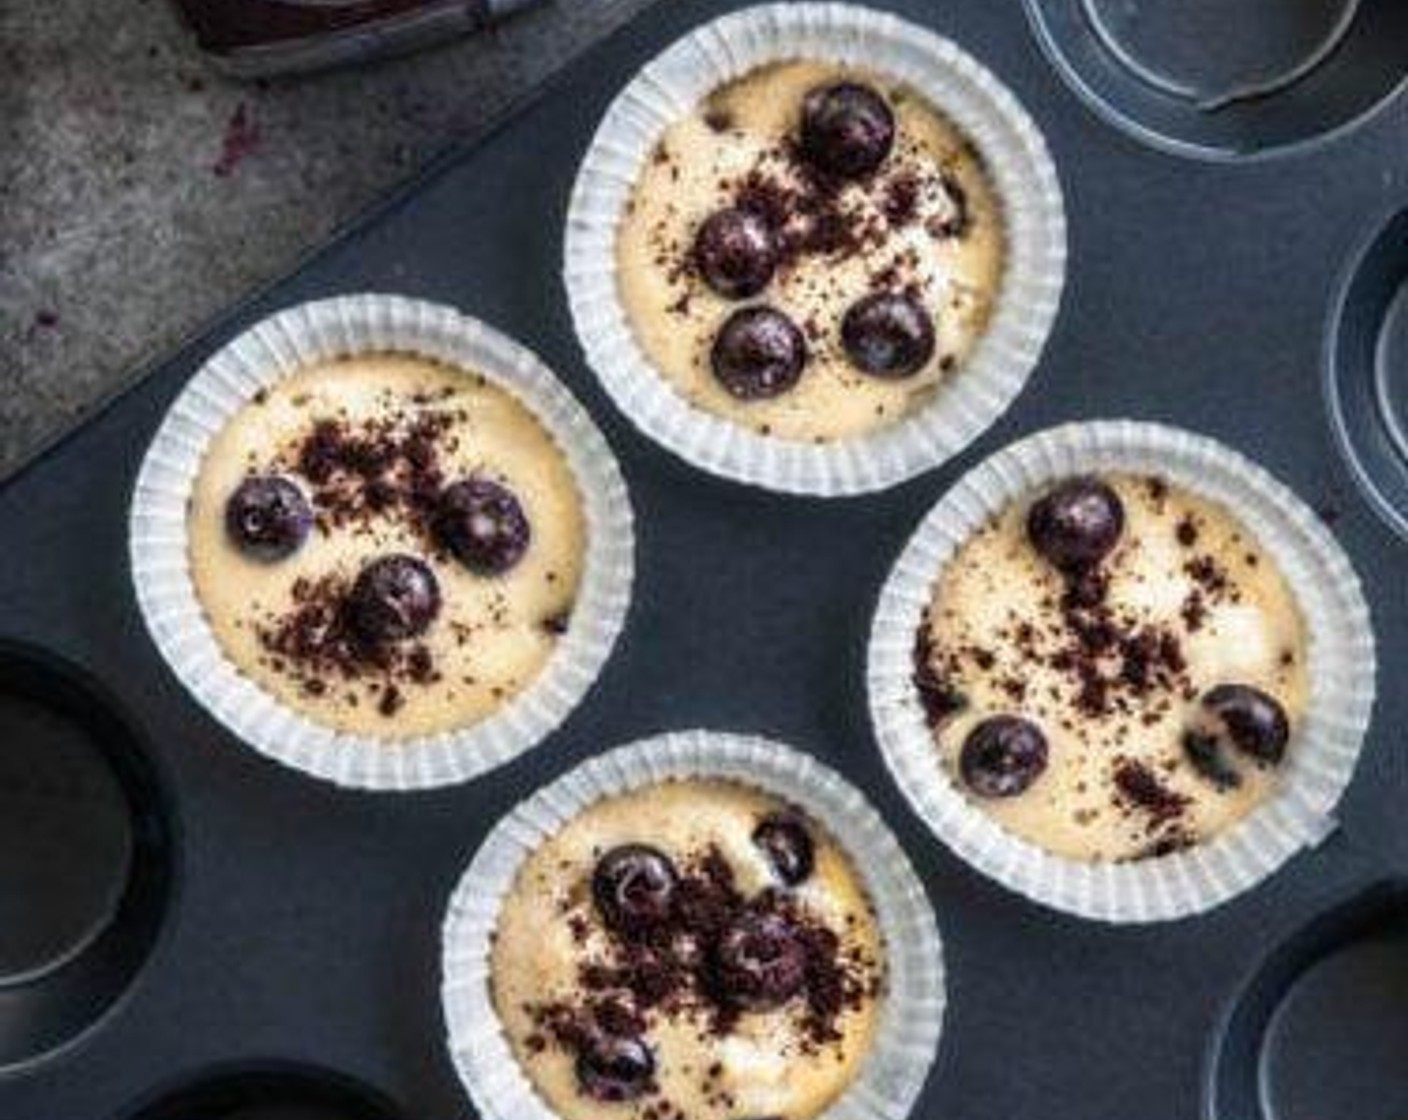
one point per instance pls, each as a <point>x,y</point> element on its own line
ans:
<point>813,214</point>
<point>1141,788</point>
<point>936,693</point>
<point>1119,668</point>
<point>376,469</point>
<point>385,469</point>
<point>667,969</point>
<point>316,642</point>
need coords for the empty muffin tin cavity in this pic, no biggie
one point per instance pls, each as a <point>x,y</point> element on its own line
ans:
<point>85,858</point>
<point>1321,1030</point>
<point>1367,370</point>
<point>1228,78</point>
<point>275,1092</point>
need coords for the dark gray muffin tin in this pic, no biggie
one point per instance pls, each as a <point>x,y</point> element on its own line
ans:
<point>1225,80</point>
<point>189,931</point>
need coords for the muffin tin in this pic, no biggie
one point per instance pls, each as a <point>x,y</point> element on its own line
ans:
<point>268,1092</point>
<point>1366,368</point>
<point>86,854</point>
<point>241,940</point>
<point>1228,81</point>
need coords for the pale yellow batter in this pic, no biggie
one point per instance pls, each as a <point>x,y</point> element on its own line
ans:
<point>764,1067</point>
<point>1246,630</point>
<point>493,634</point>
<point>693,173</point>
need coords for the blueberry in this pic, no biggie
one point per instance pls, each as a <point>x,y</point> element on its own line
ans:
<point>1205,754</point>
<point>614,1068</point>
<point>760,959</point>
<point>1254,722</point>
<point>483,524</point>
<point>788,845</point>
<point>759,352</point>
<point>735,252</point>
<point>1002,756</point>
<point>634,887</point>
<point>268,517</point>
<point>888,334</point>
<point>848,129</point>
<point>1077,524</point>
<point>395,597</point>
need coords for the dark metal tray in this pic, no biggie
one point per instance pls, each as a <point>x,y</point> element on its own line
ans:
<point>296,925</point>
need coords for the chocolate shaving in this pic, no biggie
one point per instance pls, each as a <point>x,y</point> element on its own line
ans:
<point>936,694</point>
<point>316,642</point>
<point>1141,787</point>
<point>813,214</point>
<point>375,470</point>
<point>667,968</point>
<point>718,120</point>
<point>1108,655</point>
<point>359,474</point>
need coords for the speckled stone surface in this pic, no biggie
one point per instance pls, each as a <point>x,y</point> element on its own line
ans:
<point>127,219</point>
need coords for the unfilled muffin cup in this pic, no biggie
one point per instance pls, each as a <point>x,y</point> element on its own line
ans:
<point>276,348</point>
<point>907,1038</point>
<point>1366,368</point>
<point>1320,1019</point>
<point>269,1090</point>
<point>970,399</point>
<point>1224,81</point>
<point>88,860</point>
<point>1320,758</point>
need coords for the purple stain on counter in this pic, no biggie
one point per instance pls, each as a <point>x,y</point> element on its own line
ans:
<point>240,141</point>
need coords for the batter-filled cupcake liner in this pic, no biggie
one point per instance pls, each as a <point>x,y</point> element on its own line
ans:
<point>276,348</point>
<point>1320,757</point>
<point>906,1040</point>
<point>968,400</point>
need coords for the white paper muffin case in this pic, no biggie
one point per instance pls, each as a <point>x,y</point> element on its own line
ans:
<point>891,1078</point>
<point>1320,759</point>
<point>276,348</point>
<point>966,403</point>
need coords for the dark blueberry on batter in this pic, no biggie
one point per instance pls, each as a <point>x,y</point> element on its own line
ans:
<point>1205,754</point>
<point>760,959</point>
<point>395,597</point>
<point>788,844</point>
<point>634,886</point>
<point>613,1068</point>
<point>847,129</point>
<point>1077,524</point>
<point>268,517</point>
<point>483,524</point>
<point>735,252</point>
<point>1002,756</point>
<point>759,352</point>
<point>888,334</point>
<point>1254,722</point>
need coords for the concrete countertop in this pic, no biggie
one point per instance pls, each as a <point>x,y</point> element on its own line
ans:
<point>141,192</point>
